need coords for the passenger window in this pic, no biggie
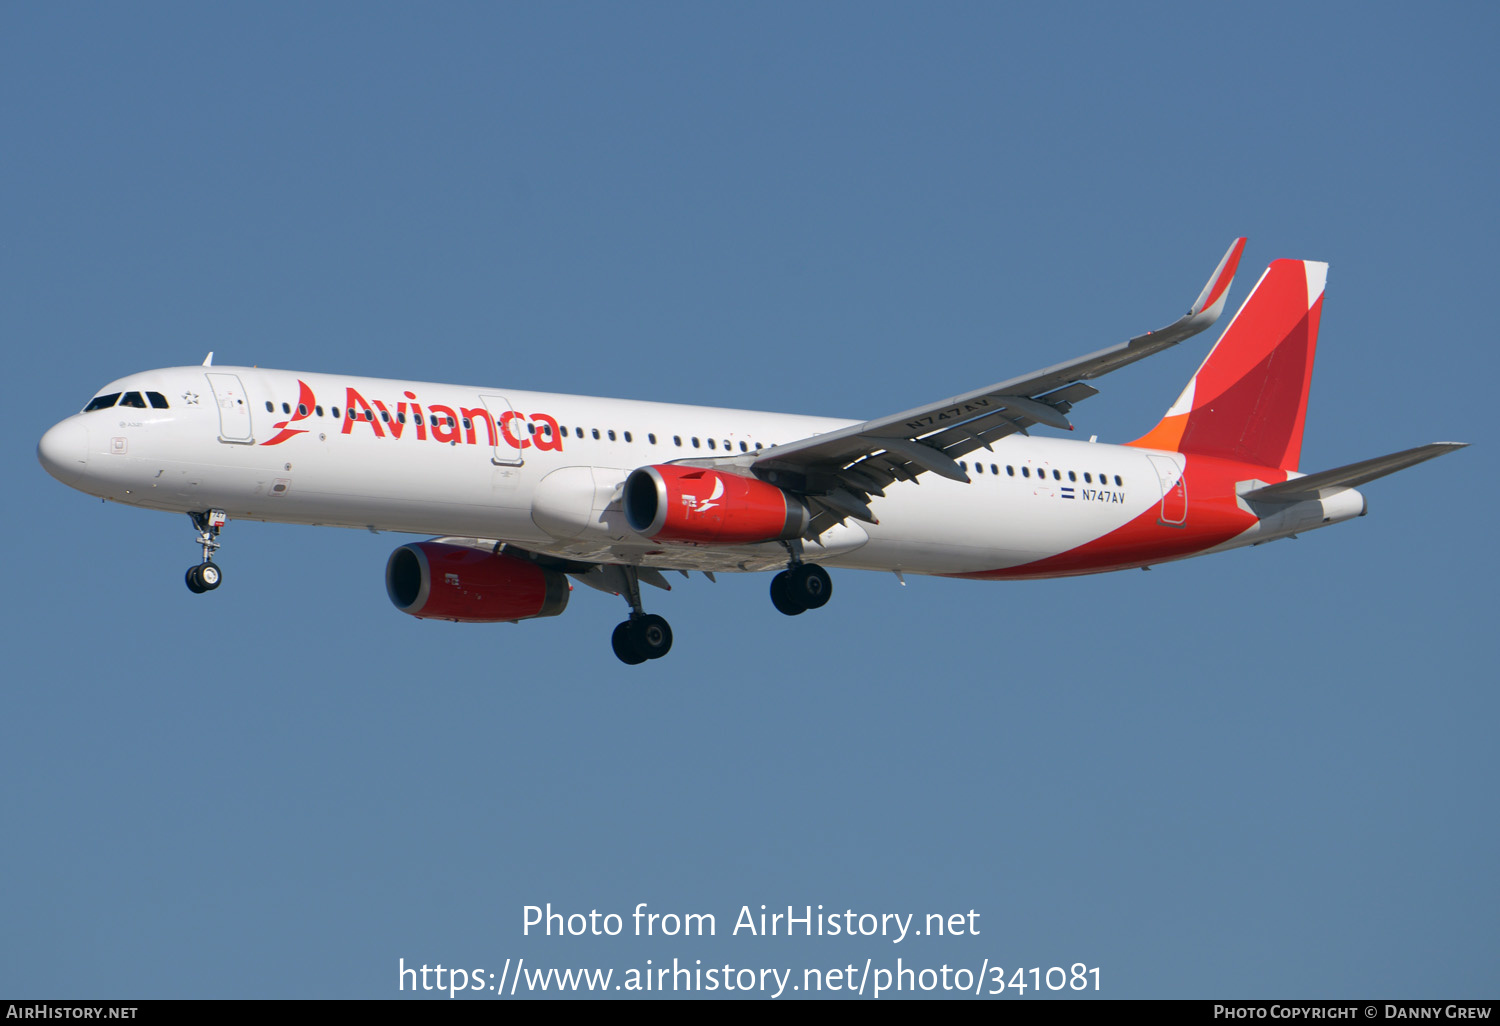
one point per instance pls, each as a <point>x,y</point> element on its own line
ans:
<point>963,466</point>
<point>596,434</point>
<point>1118,482</point>
<point>385,416</point>
<point>102,402</point>
<point>627,436</point>
<point>335,412</point>
<point>400,416</point>
<point>301,410</point>
<point>133,400</point>
<point>677,440</point>
<point>319,411</point>
<point>467,424</point>
<point>1010,470</point>
<point>757,445</point>
<point>651,437</point>
<point>1057,475</point>
<point>1025,471</point>
<point>1088,478</point>
<point>695,442</point>
<point>269,407</point>
<point>611,433</point>
<point>286,407</point>
<point>711,443</point>
<point>1072,476</point>
<point>744,447</point>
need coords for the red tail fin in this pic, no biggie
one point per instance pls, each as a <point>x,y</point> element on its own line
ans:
<point>1248,401</point>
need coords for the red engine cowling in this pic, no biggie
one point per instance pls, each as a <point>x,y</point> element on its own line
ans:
<point>692,504</point>
<point>434,580</point>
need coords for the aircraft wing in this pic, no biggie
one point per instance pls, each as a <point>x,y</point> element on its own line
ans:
<point>838,471</point>
<point>606,577</point>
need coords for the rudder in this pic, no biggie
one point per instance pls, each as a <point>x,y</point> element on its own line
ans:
<point>1248,401</point>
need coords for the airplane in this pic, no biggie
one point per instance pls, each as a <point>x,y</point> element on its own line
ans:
<point>522,492</point>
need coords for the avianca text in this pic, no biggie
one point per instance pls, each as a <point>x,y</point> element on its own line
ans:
<point>439,422</point>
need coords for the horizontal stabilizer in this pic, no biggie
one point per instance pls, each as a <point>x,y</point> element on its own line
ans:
<point>1316,486</point>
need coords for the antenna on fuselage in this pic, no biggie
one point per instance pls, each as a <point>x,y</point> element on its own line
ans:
<point>208,361</point>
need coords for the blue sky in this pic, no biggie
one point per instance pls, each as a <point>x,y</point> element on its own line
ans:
<point>1268,773</point>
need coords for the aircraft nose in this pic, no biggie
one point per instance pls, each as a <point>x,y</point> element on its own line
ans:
<point>64,450</point>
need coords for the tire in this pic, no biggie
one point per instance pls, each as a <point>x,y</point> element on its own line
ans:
<point>782,597</point>
<point>653,636</point>
<point>195,585</point>
<point>210,576</point>
<point>625,645</point>
<point>811,586</point>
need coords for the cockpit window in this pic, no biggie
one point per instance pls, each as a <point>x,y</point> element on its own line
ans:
<point>133,399</point>
<point>102,402</point>
<point>158,401</point>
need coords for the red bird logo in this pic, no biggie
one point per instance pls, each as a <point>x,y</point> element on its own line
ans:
<point>305,403</point>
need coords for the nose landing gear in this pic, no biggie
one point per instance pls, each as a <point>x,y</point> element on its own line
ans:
<point>207,576</point>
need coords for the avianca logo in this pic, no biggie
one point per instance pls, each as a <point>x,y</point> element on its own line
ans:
<point>713,500</point>
<point>439,422</point>
<point>305,403</point>
<point>702,504</point>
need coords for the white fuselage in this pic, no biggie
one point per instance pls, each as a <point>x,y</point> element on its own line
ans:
<point>543,471</point>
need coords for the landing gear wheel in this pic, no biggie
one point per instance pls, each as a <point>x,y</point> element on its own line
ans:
<point>810,585</point>
<point>641,638</point>
<point>625,644</point>
<point>653,636</point>
<point>207,576</point>
<point>645,635</point>
<point>781,595</point>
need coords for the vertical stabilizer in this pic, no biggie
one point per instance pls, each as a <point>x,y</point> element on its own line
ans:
<point>1248,401</point>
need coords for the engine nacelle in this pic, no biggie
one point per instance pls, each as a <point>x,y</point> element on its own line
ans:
<point>435,580</point>
<point>693,504</point>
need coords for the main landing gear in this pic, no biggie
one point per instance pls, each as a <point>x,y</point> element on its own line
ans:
<point>207,576</point>
<point>643,636</point>
<point>800,587</point>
